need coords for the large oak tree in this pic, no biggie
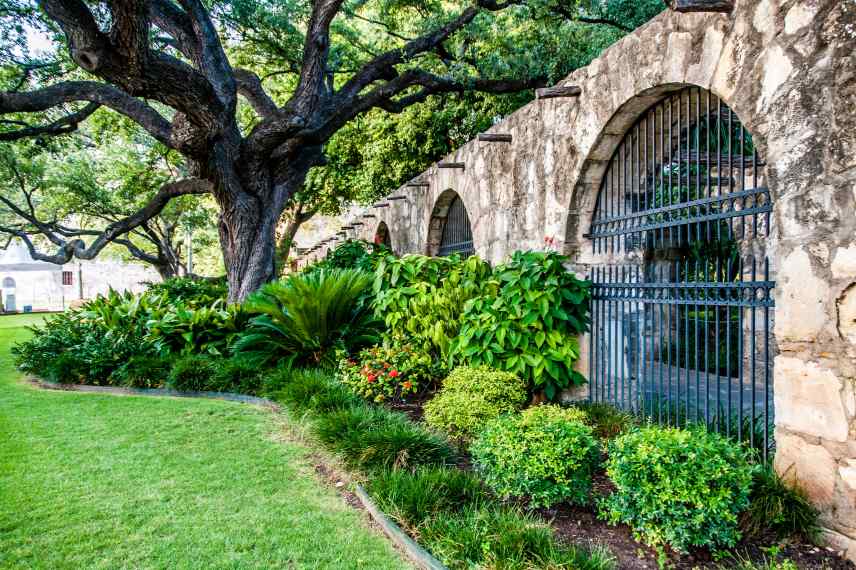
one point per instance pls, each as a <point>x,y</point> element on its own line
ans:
<point>188,73</point>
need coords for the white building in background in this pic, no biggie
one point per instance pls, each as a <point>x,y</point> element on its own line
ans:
<point>30,285</point>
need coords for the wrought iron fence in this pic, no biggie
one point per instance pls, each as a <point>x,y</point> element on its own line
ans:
<point>681,310</point>
<point>457,235</point>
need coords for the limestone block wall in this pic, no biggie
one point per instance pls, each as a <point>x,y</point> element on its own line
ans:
<point>787,69</point>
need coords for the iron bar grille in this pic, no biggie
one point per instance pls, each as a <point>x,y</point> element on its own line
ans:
<point>682,310</point>
<point>457,235</point>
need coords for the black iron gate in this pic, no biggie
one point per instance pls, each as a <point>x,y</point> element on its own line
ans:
<point>457,236</point>
<point>682,302</point>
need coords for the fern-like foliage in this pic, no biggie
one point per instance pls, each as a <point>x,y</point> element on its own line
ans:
<point>306,318</point>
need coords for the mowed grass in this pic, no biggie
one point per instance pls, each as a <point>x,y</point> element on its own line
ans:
<point>99,481</point>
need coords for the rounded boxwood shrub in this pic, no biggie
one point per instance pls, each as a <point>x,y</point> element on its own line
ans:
<point>192,373</point>
<point>545,453</point>
<point>470,397</point>
<point>678,487</point>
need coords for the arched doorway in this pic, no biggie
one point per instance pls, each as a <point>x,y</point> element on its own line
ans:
<point>450,231</point>
<point>382,236</point>
<point>9,301</point>
<point>682,304</point>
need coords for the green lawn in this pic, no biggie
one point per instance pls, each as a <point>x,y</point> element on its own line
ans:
<point>99,481</point>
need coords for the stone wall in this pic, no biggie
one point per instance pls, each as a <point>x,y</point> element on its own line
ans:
<point>788,71</point>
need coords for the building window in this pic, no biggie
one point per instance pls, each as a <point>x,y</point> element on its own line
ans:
<point>67,278</point>
<point>8,283</point>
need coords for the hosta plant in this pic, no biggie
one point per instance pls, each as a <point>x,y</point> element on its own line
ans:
<point>385,374</point>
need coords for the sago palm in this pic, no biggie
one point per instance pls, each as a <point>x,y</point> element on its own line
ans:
<point>305,318</point>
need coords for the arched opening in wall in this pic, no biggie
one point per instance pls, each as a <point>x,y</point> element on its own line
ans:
<point>449,231</point>
<point>9,303</point>
<point>382,236</point>
<point>682,303</point>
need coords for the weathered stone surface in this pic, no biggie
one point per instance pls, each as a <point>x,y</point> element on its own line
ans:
<point>801,313</point>
<point>844,262</point>
<point>808,466</point>
<point>808,399</point>
<point>846,307</point>
<point>848,474</point>
<point>840,543</point>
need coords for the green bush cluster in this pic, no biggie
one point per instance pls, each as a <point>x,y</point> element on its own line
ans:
<point>353,254</point>
<point>470,397</point>
<point>545,453</point>
<point>421,299</point>
<point>530,326</point>
<point>678,487</point>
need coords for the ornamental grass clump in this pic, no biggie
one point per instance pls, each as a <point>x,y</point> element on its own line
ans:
<point>371,438</point>
<point>547,454</point>
<point>681,488</point>
<point>470,397</point>
<point>777,506</point>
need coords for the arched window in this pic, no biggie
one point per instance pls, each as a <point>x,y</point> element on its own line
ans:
<point>382,235</point>
<point>682,302</point>
<point>449,231</point>
<point>8,283</point>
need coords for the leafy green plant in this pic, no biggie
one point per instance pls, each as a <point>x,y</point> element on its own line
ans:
<point>676,487</point>
<point>545,453</point>
<point>530,326</point>
<point>306,318</point>
<point>384,374</point>
<point>190,291</point>
<point>411,497</point>
<point>470,397</point>
<point>371,438</point>
<point>421,299</point>
<point>502,537</point>
<point>193,373</point>
<point>182,329</point>
<point>781,508</point>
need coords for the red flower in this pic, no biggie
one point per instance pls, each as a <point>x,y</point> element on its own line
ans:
<point>371,378</point>
<point>394,373</point>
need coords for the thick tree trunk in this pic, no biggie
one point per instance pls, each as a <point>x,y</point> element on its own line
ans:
<point>166,271</point>
<point>247,238</point>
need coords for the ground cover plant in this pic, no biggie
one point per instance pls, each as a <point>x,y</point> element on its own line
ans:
<point>388,374</point>
<point>102,481</point>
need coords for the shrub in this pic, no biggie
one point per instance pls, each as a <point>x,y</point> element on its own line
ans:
<point>306,318</point>
<point>778,507</point>
<point>530,326</point>
<point>413,497</point>
<point>353,254</point>
<point>236,375</point>
<point>193,373</point>
<point>387,373</point>
<point>498,537</point>
<point>183,329</point>
<point>545,453</point>
<point>605,420</point>
<point>472,396</point>
<point>421,299</point>
<point>678,487</point>
<point>143,371</point>
<point>308,389</point>
<point>191,291</point>
<point>370,438</point>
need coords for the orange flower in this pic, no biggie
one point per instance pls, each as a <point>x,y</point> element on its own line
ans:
<point>407,385</point>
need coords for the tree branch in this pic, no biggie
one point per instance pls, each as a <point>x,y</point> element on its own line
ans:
<point>250,86</point>
<point>69,249</point>
<point>61,126</point>
<point>103,94</point>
